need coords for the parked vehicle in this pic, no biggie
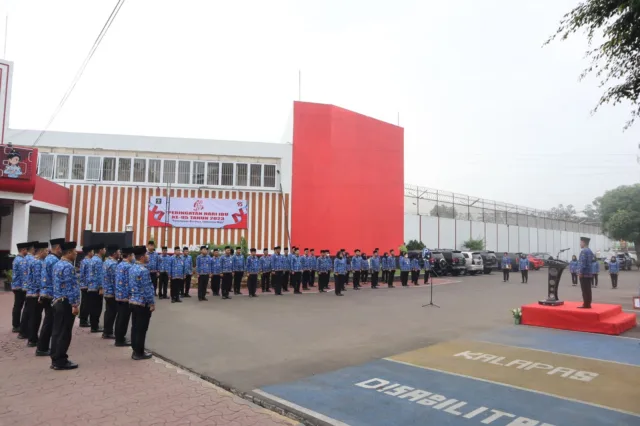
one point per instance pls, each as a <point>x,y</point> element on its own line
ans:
<point>438,263</point>
<point>625,261</point>
<point>545,257</point>
<point>535,262</point>
<point>489,261</point>
<point>515,261</point>
<point>473,262</point>
<point>456,264</point>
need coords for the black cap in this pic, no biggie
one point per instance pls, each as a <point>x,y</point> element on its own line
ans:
<point>585,239</point>
<point>276,248</point>
<point>139,250</point>
<point>164,248</point>
<point>342,250</point>
<point>68,245</point>
<point>99,246</point>
<point>176,249</point>
<point>252,250</point>
<point>56,241</point>
<point>312,249</point>
<point>185,248</point>
<point>87,249</point>
<point>151,242</point>
<point>33,243</point>
<point>216,249</point>
<point>203,247</point>
<point>357,250</point>
<point>40,246</point>
<point>23,246</point>
<point>126,250</point>
<point>227,247</point>
<point>286,248</point>
<point>113,247</point>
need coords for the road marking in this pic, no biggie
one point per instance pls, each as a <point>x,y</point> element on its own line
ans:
<point>301,409</point>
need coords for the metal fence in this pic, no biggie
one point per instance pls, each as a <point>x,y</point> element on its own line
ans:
<point>433,202</point>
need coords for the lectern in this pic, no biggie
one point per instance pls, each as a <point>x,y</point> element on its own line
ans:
<point>555,273</point>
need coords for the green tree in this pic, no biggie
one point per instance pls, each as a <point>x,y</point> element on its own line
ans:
<point>415,245</point>
<point>563,213</point>
<point>474,245</point>
<point>591,211</point>
<point>620,213</point>
<point>615,26</point>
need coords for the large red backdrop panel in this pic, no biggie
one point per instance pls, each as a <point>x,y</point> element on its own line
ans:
<point>348,180</point>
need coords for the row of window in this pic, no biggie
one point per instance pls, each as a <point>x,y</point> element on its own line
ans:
<point>147,170</point>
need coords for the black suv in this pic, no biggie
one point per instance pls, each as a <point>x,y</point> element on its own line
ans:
<point>625,261</point>
<point>456,263</point>
<point>489,260</point>
<point>438,263</point>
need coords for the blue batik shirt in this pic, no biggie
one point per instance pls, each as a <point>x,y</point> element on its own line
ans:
<point>84,273</point>
<point>33,285</point>
<point>524,264</point>
<point>109,286</point>
<point>324,264</point>
<point>391,263</point>
<point>427,263</point>
<point>364,264</point>
<point>614,267</point>
<point>216,265</point>
<point>238,262</point>
<point>203,264</point>
<point>164,263</point>
<point>312,262</point>
<point>595,267</point>
<point>97,273</point>
<point>506,260</point>
<point>340,266</point>
<point>227,264</point>
<point>415,265</point>
<point>20,273</point>
<point>356,262</point>
<point>287,261</point>
<point>46,284</point>
<point>296,264</point>
<point>304,262</point>
<point>586,261</point>
<point>176,270</point>
<point>266,263</point>
<point>122,281</point>
<point>65,282</point>
<point>141,288</point>
<point>574,267</point>
<point>375,263</point>
<point>405,264</point>
<point>187,260</point>
<point>154,261</point>
<point>253,265</point>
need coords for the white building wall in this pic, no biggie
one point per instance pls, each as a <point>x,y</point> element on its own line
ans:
<point>491,236</point>
<point>39,227</point>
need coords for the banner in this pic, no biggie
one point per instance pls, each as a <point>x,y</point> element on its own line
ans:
<point>197,212</point>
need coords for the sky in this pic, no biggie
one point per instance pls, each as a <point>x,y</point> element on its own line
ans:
<point>487,110</point>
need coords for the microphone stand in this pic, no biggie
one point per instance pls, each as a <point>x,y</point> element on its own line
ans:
<point>431,304</point>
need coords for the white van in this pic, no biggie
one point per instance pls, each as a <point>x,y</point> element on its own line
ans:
<point>473,262</point>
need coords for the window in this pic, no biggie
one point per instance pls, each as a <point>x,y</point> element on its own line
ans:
<point>184,170</point>
<point>169,174</point>
<point>45,165</point>
<point>109,169</point>
<point>124,169</point>
<point>256,174</point>
<point>154,171</point>
<point>139,169</point>
<point>227,174</point>
<point>198,173</point>
<point>93,168</point>
<point>269,176</point>
<point>213,173</point>
<point>77,167</point>
<point>241,175</point>
<point>62,167</point>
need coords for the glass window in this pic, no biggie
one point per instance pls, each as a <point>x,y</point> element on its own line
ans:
<point>169,173</point>
<point>45,165</point>
<point>270,176</point>
<point>184,171</point>
<point>227,174</point>
<point>139,169</point>
<point>124,169</point>
<point>77,167</point>
<point>241,175</point>
<point>213,173</point>
<point>94,165</point>
<point>256,174</point>
<point>198,173</point>
<point>154,171</point>
<point>108,169</point>
<point>62,167</point>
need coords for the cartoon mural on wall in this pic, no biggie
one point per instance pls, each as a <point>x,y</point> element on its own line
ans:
<point>15,163</point>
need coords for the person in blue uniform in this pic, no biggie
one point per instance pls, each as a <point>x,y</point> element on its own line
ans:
<point>164,266</point>
<point>33,293</point>
<point>266,267</point>
<point>227,272</point>
<point>427,265</point>
<point>391,268</point>
<point>586,265</point>
<point>66,299</point>
<point>296,271</point>
<point>279,264</point>
<point>323,272</point>
<point>46,296</point>
<point>94,290</point>
<point>506,267</point>
<point>574,269</point>
<point>383,265</point>
<point>216,272</point>
<point>339,272</point>
<point>152,266</point>
<point>122,297</point>
<point>356,267</point>
<point>29,259</point>
<point>19,281</point>
<point>595,270</point>
<point>85,276</point>
<point>306,269</point>
<point>238,270</point>
<point>253,269</point>
<point>524,268</point>
<point>415,270</point>
<point>614,269</point>
<point>313,267</point>
<point>405,268</point>
<point>176,274</point>
<point>286,277</point>
<point>375,269</point>
<point>188,272</point>
<point>203,271</point>
<point>364,269</point>
<point>142,303</point>
<point>347,276</point>
<point>109,290</point>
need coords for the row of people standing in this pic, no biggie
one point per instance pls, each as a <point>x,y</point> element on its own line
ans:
<point>614,270</point>
<point>523,266</point>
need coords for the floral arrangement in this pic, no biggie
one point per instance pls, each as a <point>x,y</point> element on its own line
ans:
<point>517,315</point>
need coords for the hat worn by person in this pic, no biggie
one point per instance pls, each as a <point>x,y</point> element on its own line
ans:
<point>203,247</point>
<point>227,247</point>
<point>238,248</point>
<point>139,250</point>
<point>176,248</point>
<point>40,246</point>
<point>286,248</point>
<point>265,249</point>
<point>22,246</point>
<point>253,250</point>
<point>86,249</point>
<point>98,247</point>
<point>185,248</point>
<point>56,241</point>
<point>126,250</point>
<point>585,239</point>
<point>151,242</point>
<point>215,249</point>
<point>113,247</point>
<point>276,248</point>
<point>68,245</point>
<point>165,248</point>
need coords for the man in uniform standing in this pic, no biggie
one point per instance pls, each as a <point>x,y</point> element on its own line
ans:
<point>313,266</point>
<point>253,269</point>
<point>339,272</point>
<point>122,297</point>
<point>278,264</point>
<point>46,296</point>
<point>391,268</point>
<point>142,303</point>
<point>585,261</point>
<point>364,269</point>
<point>216,272</point>
<point>85,277</point>
<point>375,269</point>
<point>286,276</point>
<point>227,272</point>
<point>266,267</point>
<point>323,267</point>
<point>66,293</point>
<point>33,293</point>
<point>238,270</point>
<point>306,269</point>
<point>152,266</point>
<point>188,271</point>
<point>94,291</point>
<point>164,266</point>
<point>203,270</point>
<point>356,267</point>
<point>109,290</point>
<point>176,274</point>
<point>296,270</point>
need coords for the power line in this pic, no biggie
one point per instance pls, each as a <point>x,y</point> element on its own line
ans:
<point>78,75</point>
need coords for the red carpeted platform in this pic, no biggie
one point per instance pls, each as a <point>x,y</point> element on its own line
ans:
<point>605,319</point>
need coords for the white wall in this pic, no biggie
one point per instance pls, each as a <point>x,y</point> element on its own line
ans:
<point>5,232</point>
<point>39,227</point>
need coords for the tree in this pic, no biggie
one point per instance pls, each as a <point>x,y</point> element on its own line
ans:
<point>591,211</point>
<point>473,245</point>
<point>615,60</point>
<point>415,245</point>
<point>443,210</point>
<point>620,213</point>
<point>563,213</point>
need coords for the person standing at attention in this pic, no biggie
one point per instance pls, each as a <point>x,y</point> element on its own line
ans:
<point>586,268</point>
<point>122,297</point>
<point>164,267</point>
<point>188,271</point>
<point>524,268</point>
<point>216,272</point>
<point>46,296</point>
<point>574,268</point>
<point>266,267</point>
<point>339,272</point>
<point>391,268</point>
<point>415,270</point>
<point>506,267</point>
<point>177,275</point>
<point>595,270</point>
<point>85,277</point>
<point>153,265</point>
<point>614,269</point>
<point>142,303</point>
<point>109,287</point>
<point>375,268</point>
<point>405,268</point>
<point>203,271</point>
<point>253,269</point>
<point>238,270</point>
<point>227,272</point>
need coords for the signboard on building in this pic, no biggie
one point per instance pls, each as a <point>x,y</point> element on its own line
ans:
<point>6,70</point>
<point>181,212</point>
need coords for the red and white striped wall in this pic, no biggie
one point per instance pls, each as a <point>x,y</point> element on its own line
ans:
<point>110,208</point>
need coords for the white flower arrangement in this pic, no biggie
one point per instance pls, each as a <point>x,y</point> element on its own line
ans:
<point>517,314</point>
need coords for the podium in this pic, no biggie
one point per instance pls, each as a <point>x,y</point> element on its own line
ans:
<point>553,280</point>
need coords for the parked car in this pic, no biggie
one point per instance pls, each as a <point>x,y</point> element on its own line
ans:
<point>456,264</point>
<point>473,262</point>
<point>625,261</point>
<point>535,262</point>
<point>489,261</point>
<point>438,263</point>
<point>545,257</point>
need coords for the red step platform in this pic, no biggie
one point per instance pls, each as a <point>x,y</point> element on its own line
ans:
<point>601,318</point>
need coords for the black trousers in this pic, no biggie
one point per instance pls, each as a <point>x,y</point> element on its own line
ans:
<point>252,284</point>
<point>585,286</point>
<point>110,313</point>
<point>203,283</point>
<point>525,275</point>
<point>285,280</point>
<point>154,281</point>
<point>215,284</point>
<point>62,330</point>
<point>505,274</point>
<point>187,285</point>
<point>390,275</point>
<point>265,281</point>
<point>176,288</point>
<point>595,280</point>
<point>346,279</point>
<point>140,318</point>
<point>95,309</point>
<point>306,279</point>
<point>294,280</point>
<point>614,280</point>
<point>44,339</point>
<point>364,276</point>
<point>312,278</point>
<point>414,277</point>
<point>374,279</point>
<point>84,307</point>
<point>122,321</point>
<point>339,281</point>
<point>404,278</point>
<point>278,277</point>
<point>18,303</point>
<point>427,273</point>
<point>35,317</point>
<point>323,280</point>
<point>237,281</point>
<point>385,276</point>
<point>574,278</point>
<point>356,279</point>
<point>163,284</point>
<point>227,282</point>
